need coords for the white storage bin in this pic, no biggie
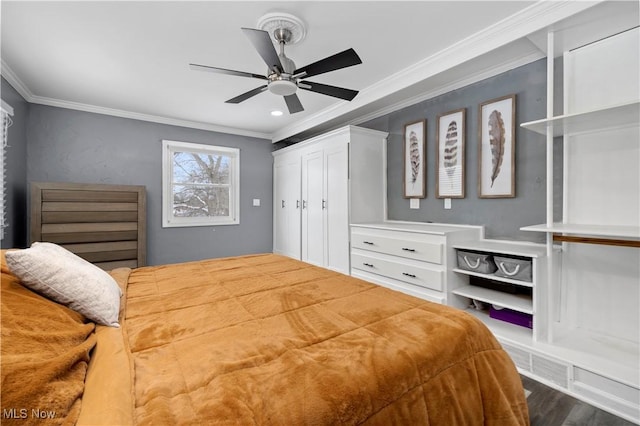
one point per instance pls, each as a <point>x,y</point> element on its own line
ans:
<point>514,268</point>
<point>477,262</point>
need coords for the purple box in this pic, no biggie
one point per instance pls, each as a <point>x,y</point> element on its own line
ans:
<point>513,317</point>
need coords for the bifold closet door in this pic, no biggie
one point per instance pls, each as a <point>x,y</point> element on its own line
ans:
<point>312,208</point>
<point>287,207</point>
<point>336,207</point>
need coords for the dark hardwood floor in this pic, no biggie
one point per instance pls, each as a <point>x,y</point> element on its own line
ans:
<point>549,407</point>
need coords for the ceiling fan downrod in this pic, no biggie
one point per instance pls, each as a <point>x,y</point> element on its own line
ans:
<point>283,83</point>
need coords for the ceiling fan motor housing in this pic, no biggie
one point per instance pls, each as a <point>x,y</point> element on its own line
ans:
<point>283,87</point>
<point>284,84</point>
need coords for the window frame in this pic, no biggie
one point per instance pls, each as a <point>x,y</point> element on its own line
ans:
<point>169,147</point>
<point>6,112</point>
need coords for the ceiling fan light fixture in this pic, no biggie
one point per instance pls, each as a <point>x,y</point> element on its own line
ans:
<point>283,87</point>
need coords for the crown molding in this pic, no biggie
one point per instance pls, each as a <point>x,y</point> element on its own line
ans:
<point>14,81</point>
<point>454,85</point>
<point>538,16</point>
<point>24,91</point>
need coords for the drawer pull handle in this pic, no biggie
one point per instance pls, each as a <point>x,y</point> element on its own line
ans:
<point>408,275</point>
<point>408,249</point>
<point>368,264</point>
<point>368,242</point>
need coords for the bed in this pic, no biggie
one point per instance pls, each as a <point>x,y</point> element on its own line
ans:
<point>252,340</point>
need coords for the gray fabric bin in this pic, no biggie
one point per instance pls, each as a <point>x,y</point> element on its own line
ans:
<point>514,268</point>
<point>476,262</point>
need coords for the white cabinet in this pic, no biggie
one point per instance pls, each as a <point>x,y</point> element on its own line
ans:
<point>341,177</point>
<point>526,297</point>
<point>593,283</point>
<point>415,258</point>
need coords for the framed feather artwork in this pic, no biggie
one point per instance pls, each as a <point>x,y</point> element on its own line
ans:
<point>414,179</point>
<point>497,148</point>
<point>450,161</point>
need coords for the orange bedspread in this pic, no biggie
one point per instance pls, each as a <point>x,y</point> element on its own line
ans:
<point>44,357</point>
<point>266,339</point>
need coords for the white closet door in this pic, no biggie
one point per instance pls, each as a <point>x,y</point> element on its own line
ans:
<point>287,206</point>
<point>312,213</point>
<point>336,207</point>
<point>280,235</point>
<point>293,206</point>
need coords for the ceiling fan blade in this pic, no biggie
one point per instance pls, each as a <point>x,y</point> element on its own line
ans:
<point>263,44</point>
<point>340,60</point>
<point>293,103</point>
<point>247,95</point>
<point>197,67</point>
<point>336,92</point>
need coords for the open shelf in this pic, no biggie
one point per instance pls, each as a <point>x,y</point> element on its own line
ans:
<point>513,248</point>
<point>614,116</point>
<point>605,355</point>
<point>517,302</point>
<point>494,277</point>
<point>616,231</point>
<point>503,329</point>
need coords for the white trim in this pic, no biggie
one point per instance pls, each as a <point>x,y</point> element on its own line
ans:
<point>7,108</point>
<point>22,89</point>
<point>473,78</point>
<point>168,220</point>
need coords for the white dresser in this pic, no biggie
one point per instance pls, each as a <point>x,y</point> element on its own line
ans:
<point>414,258</point>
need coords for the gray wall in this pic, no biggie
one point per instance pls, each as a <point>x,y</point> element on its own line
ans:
<point>502,217</point>
<point>72,146</point>
<point>16,234</point>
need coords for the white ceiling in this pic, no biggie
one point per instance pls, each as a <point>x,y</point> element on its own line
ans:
<point>131,58</point>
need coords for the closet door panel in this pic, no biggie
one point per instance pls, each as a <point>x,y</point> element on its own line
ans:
<point>336,206</point>
<point>280,236</point>
<point>293,208</point>
<point>312,212</point>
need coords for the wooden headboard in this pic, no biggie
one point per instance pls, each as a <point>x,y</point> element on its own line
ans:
<point>104,224</point>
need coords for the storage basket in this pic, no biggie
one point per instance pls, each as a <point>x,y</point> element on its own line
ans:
<point>477,262</point>
<point>510,316</point>
<point>514,268</point>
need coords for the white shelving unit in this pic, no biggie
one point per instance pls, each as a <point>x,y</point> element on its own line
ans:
<point>627,114</point>
<point>524,302</point>
<point>593,324</point>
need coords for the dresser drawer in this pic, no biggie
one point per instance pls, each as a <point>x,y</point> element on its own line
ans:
<point>426,249</point>
<point>422,276</point>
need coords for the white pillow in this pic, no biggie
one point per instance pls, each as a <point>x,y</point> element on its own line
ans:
<point>60,275</point>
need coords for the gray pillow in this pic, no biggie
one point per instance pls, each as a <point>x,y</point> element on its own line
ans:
<point>63,277</point>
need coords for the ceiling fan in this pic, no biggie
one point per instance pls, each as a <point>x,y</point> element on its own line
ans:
<point>283,78</point>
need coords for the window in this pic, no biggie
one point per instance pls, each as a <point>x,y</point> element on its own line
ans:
<point>200,184</point>
<point>5,112</point>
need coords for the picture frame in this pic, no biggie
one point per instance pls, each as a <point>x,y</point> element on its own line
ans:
<point>497,148</point>
<point>450,159</point>
<point>414,180</point>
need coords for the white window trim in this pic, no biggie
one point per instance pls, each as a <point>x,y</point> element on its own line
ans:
<point>170,221</point>
<point>6,111</point>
